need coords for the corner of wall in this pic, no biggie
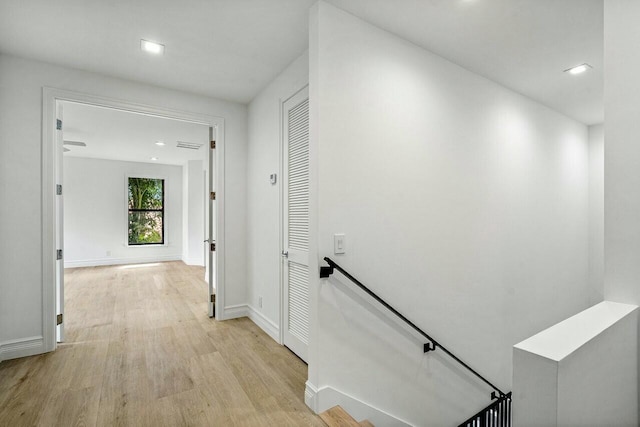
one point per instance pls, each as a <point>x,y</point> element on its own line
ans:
<point>310,396</point>
<point>314,285</point>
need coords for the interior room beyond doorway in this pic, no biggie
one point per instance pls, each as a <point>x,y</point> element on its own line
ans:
<point>135,189</point>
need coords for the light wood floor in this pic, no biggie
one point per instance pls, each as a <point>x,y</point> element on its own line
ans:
<point>141,351</point>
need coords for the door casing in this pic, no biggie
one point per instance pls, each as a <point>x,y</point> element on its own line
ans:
<point>50,98</point>
<point>59,224</point>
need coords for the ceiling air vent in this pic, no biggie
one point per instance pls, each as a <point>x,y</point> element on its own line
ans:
<point>189,145</point>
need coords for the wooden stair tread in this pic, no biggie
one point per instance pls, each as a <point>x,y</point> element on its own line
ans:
<point>338,417</point>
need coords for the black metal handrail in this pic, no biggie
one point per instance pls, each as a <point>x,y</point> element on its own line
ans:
<point>498,414</point>
<point>432,345</point>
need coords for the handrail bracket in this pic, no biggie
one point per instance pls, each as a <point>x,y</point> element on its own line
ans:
<point>326,271</point>
<point>495,395</point>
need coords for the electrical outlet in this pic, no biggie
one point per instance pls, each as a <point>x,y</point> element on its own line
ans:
<point>260,302</point>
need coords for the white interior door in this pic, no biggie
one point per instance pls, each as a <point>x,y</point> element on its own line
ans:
<point>59,226</point>
<point>295,223</point>
<point>211,240</point>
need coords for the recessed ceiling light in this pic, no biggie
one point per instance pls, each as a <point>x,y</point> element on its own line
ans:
<point>160,143</point>
<point>154,159</point>
<point>152,47</point>
<point>578,69</point>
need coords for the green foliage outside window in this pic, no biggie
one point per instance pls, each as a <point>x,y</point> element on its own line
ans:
<point>146,211</point>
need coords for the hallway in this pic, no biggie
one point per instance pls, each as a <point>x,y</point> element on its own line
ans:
<point>140,350</point>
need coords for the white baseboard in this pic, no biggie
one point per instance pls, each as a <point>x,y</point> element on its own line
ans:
<point>310,397</point>
<point>120,261</point>
<point>193,261</point>
<point>245,310</point>
<point>21,348</point>
<point>264,323</point>
<point>233,312</point>
<point>319,400</point>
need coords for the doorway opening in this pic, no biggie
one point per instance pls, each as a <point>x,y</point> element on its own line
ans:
<point>178,221</point>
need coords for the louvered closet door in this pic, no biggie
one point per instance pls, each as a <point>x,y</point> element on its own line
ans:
<point>296,222</point>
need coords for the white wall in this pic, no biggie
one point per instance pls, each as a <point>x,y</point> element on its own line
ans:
<point>596,212</point>
<point>194,233</point>
<point>622,151</point>
<point>95,220</point>
<point>21,83</point>
<point>263,203</point>
<point>185,212</point>
<point>464,205</point>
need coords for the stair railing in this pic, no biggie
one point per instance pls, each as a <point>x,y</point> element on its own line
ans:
<point>499,409</point>
<point>497,414</point>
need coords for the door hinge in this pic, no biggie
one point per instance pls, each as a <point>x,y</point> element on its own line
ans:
<point>59,189</point>
<point>58,254</point>
<point>212,196</point>
<point>213,145</point>
<point>213,298</point>
<point>58,124</point>
<point>59,319</point>
<point>213,247</point>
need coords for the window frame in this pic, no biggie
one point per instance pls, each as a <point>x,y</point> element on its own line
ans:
<point>163,210</point>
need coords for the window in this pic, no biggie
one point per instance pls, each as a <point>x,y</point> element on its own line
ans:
<point>146,211</point>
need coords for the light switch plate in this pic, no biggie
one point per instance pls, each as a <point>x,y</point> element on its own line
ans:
<point>339,243</point>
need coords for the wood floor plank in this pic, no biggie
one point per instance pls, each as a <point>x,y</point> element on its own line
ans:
<point>140,350</point>
<point>77,407</point>
<point>338,417</point>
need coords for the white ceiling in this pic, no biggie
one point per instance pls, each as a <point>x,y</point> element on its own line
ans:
<point>524,45</point>
<point>228,49</point>
<point>231,49</point>
<point>120,135</point>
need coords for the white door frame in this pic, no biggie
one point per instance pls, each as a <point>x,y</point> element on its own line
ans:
<point>50,97</point>
<point>211,205</point>
<point>59,225</point>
